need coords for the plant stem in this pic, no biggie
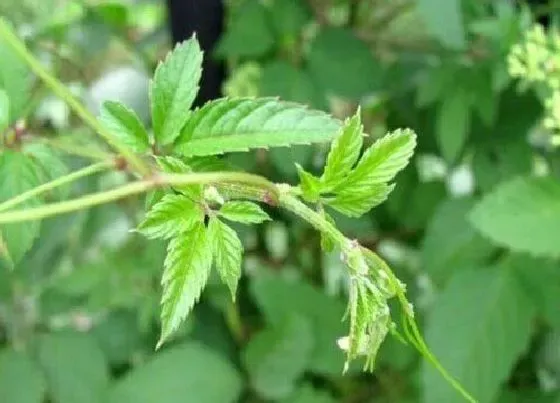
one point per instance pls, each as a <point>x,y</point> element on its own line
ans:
<point>63,180</point>
<point>130,189</point>
<point>60,90</point>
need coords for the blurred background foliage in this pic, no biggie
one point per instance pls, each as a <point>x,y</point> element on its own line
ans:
<point>473,226</point>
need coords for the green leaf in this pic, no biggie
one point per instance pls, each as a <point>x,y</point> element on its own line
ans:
<point>279,298</point>
<point>451,243</point>
<point>174,89</point>
<point>327,243</point>
<point>187,372</point>
<point>359,202</point>
<point>227,250</point>
<point>452,126</point>
<point>342,64</point>
<point>4,111</point>
<point>21,380</point>
<point>19,174</point>
<point>479,326</point>
<point>307,394</point>
<point>522,214</point>
<point>277,356</point>
<point>50,165</point>
<point>540,278</point>
<point>244,212</point>
<point>249,35</point>
<point>186,270</point>
<point>75,368</point>
<point>444,21</point>
<point>227,125</point>
<point>289,18</point>
<point>123,123</point>
<point>174,165</point>
<point>309,185</point>
<point>381,162</point>
<point>15,80</point>
<point>344,152</point>
<point>171,216</point>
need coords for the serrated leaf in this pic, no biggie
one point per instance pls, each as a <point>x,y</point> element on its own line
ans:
<point>4,110</point>
<point>15,79</point>
<point>276,357</point>
<point>453,124</point>
<point>355,204</point>
<point>21,380</point>
<point>244,212</point>
<point>381,162</point>
<point>123,123</point>
<point>75,368</point>
<point>309,185</point>
<point>175,165</point>
<point>443,19</point>
<point>173,90</point>
<point>227,250</point>
<point>522,214</point>
<point>19,174</point>
<point>228,125</point>
<point>171,216</point>
<point>187,372</point>
<point>186,270</point>
<point>344,152</point>
<point>479,326</point>
<point>446,249</point>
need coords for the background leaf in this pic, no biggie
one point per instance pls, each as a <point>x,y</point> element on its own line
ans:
<point>522,214</point>
<point>15,80</point>
<point>21,380</point>
<point>444,20</point>
<point>452,125</point>
<point>228,125</point>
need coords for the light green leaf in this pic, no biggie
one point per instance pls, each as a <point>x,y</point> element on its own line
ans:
<point>381,162</point>
<point>174,89</point>
<point>171,216</point>
<point>227,250</point>
<point>444,20</point>
<point>19,174</point>
<point>244,212</point>
<point>342,64</point>
<point>123,123</point>
<point>522,214</point>
<point>277,356</point>
<point>21,380</point>
<point>279,298</point>
<point>479,326</point>
<point>186,270</point>
<point>15,80</point>
<point>451,243</point>
<point>453,124</point>
<point>227,125</point>
<point>4,110</point>
<point>187,372</point>
<point>359,202</point>
<point>344,152</point>
<point>327,243</point>
<point>75,368</point>
<point>309,185</point>
<point>249,35</point>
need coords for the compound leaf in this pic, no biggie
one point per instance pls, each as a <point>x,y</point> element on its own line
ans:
<point>344,152</point>
<point>186,270</point>
<point>171,216</point>
<point>227,250</point>
<point>244,212</point>
<point>355,204</point>
<point>174,89</point>
<point>124,125</point>
<point>227,125</point>
<point>522,214</point>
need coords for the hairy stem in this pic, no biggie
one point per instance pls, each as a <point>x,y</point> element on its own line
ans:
<point>60,90</point>
<point>133,188</point>
<point>63,180</point>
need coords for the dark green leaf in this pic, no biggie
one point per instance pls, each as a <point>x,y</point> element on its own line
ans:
<point>227,125</point>
<point>288,18</point>
<point>453,124</point>
<point>188,372</point>
<point>123,123</point>
<point>174,89</point>
<point>75,368</point>
<point>307,394</point>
